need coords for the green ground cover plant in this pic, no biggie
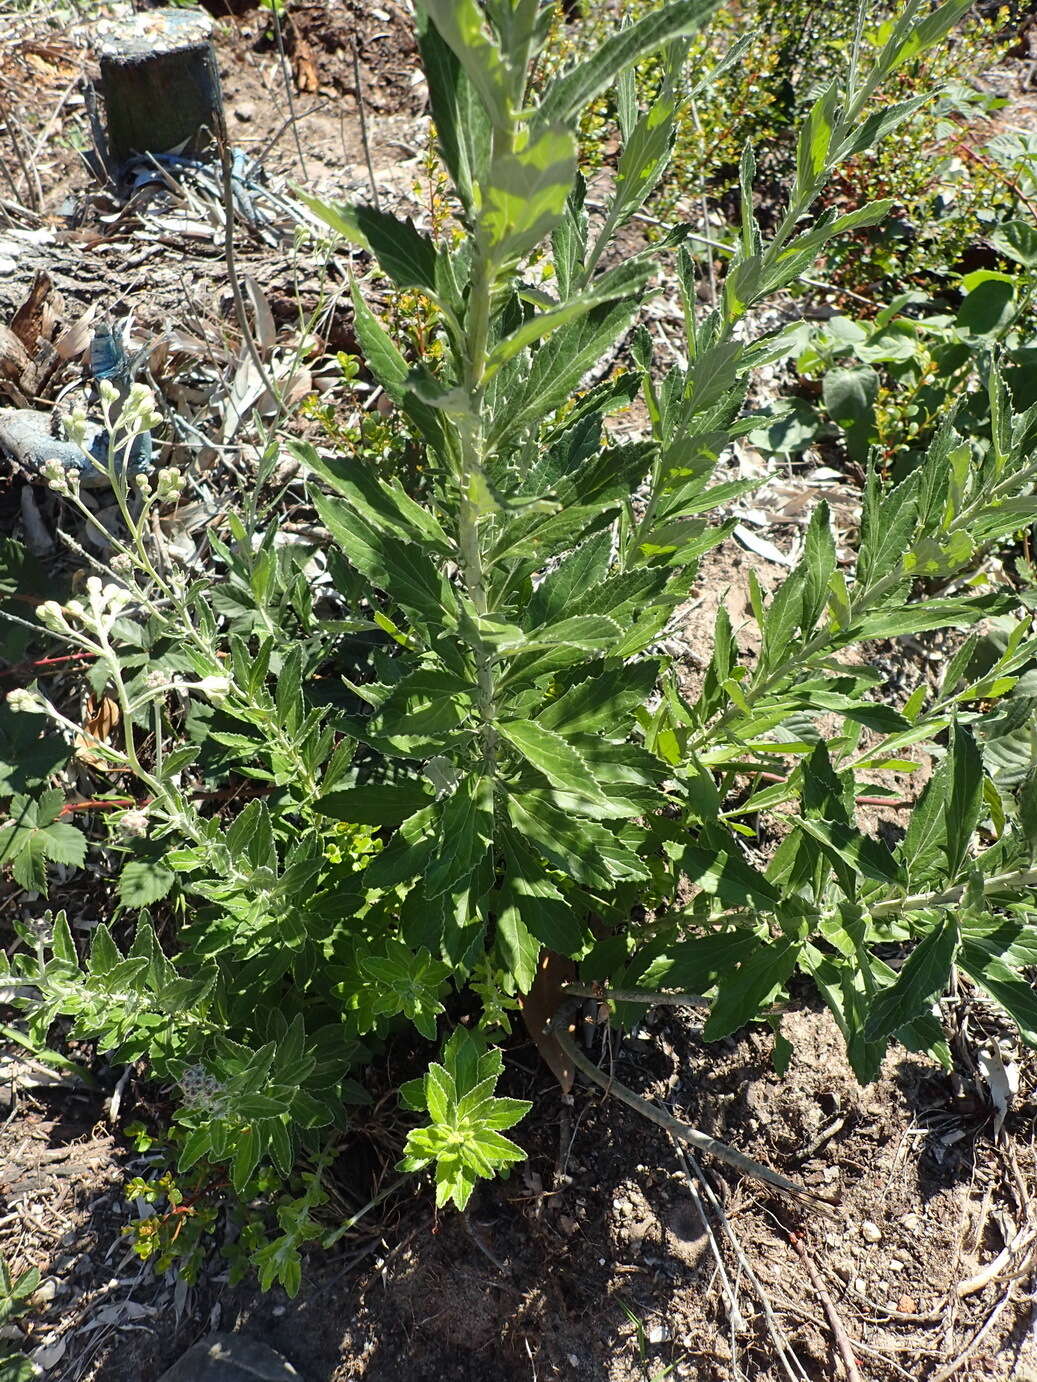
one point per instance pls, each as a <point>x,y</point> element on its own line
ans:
<point>462,748</point>
<point>888,382</point>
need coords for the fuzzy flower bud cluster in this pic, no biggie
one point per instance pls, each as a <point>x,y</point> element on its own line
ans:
<point>104,605</point>
<point>170,485</point>
<point>139,413</point>
<point>60,480</point>
<point>134,823</point>
<point>77,427</point>
<point>200,1089</point>
<point>25,702</point>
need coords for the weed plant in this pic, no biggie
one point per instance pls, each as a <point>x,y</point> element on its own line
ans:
<point>461,746</point>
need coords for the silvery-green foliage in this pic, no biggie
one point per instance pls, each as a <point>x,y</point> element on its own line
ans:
<point>527,758</point>
<point>526,594</point>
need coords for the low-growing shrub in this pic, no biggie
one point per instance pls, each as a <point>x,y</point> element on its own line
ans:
<point>461,743</point>
<point>767,61</point>
<point>887,383</point>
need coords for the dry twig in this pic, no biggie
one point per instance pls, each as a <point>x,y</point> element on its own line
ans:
<point>560,1026</point>
<point>790,1363</point>
<point>842,1340</point>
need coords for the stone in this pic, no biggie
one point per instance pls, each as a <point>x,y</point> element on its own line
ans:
<point>907,1305</point>
<point>230,1358</point>
<point>871,1233</point>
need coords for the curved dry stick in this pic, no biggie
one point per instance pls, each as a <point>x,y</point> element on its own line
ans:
<point>843,1342</point>
<point>560,1026</point>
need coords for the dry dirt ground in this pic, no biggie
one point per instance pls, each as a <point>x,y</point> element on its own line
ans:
<point>604,1258</point>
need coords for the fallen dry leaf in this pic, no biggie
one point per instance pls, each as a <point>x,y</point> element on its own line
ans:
<point>540,1004</point>
<point>102,719</point>
<point>304,67</point>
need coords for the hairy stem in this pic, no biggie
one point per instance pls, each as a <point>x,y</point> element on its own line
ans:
<point>920,902</point>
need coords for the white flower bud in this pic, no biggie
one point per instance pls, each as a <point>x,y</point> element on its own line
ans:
<point>134,823</point>
<point>76,427</point>
<point>170,485</point>
<point>25,702</point>
<point>55,475</point>
<point>109,393</point>
<point>51,615</point>
<point>156,681</point>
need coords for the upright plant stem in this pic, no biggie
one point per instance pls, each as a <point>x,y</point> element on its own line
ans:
<point>470,485</point>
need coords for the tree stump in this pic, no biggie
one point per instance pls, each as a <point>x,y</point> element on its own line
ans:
<point>161,84</point>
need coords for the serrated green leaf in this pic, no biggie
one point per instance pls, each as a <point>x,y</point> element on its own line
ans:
<point>525,194</point>
<point>585,849</point>
<point>742,995</point>
<point>553,756</point>
<point>247,1151</point>
<point>864,855</point>
<point>923,977</point>
<point>567,95</point>
<point>399,568</point>
<point>602,703</point>
<point>1009,989</point>
<point>462,25</point>
<point>403,252</point>
<point>375,803</point>
<point>143,881</point>
<point>964,797</point>
<point>464,835</point>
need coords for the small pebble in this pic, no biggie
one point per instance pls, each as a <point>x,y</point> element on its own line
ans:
<point>871,1233</point>
<point>911,1222</point>
<point>658,1334</point>
<point>907,1305</point>
<point>45,1292</point>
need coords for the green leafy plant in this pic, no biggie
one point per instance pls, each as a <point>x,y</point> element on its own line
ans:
<point>888,383</point>
<point>14,1296</point>
<point>528,590</point>
<point>761,66</point>
<point>35,834</point>
<point>471,748</point>
<point>465,1138</point>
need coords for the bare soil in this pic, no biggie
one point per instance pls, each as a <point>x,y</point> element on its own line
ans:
<point>601,1259</point>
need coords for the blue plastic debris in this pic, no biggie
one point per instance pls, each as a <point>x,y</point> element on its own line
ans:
<point>30,439</point>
